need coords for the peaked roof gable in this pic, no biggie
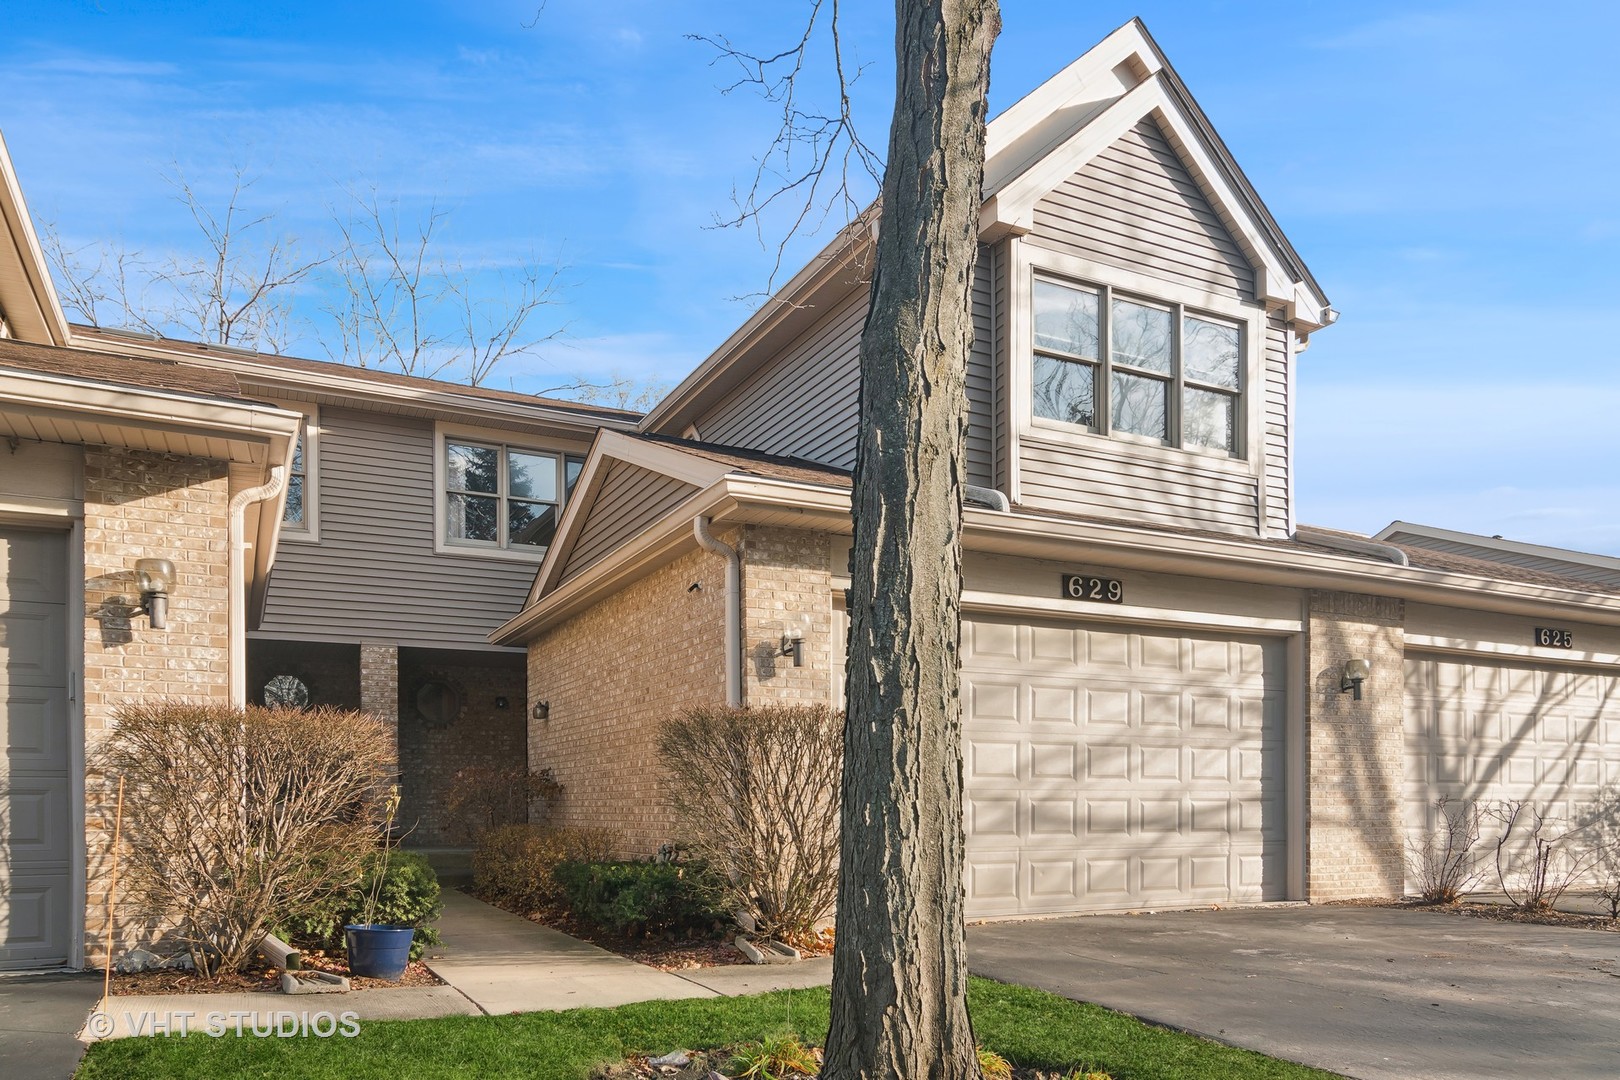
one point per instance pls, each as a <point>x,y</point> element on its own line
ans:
<point>27,297</point>
<point>1030,150</point>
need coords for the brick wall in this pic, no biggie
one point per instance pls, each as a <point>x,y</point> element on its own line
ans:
<point>136,505</point>
<point>786,579</point>
<point>610,675</point>
<point>1355,762</point>
<point>379,685</point>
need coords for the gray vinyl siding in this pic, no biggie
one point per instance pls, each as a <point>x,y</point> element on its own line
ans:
<point>804,402</point>
<point>374,575</point>
<point>1136,207</point>
<point>1000,275</point>
<point>1105,479</point>
<point>1580,572</point>
<point>630,499</point>
<point>981,381</point>
<point>1275,418</point>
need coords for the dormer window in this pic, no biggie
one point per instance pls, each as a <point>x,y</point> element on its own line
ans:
<point>1173,376</point>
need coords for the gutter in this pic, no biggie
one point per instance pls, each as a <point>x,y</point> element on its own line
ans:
<point>1323,538</point>
<point>237,598</point>
<point>733,601</point>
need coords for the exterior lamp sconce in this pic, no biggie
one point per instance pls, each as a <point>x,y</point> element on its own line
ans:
<point>154,578</point>
<point>793,645</point>
<point>1356,672</point>
<point>542,710</point>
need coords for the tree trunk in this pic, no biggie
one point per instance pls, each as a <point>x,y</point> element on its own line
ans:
<point>899,1007</point>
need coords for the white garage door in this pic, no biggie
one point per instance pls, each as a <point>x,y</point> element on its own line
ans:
<point>34,818</point>
<point>1110,768</point>
<point>1483,732</point>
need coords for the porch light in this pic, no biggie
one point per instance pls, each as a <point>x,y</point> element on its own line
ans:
<point>154,579</point>
<point>542,710</point>
<point>1356,672</point>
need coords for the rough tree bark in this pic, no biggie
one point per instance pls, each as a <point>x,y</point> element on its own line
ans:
<point>899,1004</point>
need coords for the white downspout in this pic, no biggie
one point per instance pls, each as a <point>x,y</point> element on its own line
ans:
<point>238,578</point>
<point>733,600</point>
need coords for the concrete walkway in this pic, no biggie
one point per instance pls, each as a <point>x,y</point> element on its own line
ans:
<point>504,963</point>
<point>493,961</point>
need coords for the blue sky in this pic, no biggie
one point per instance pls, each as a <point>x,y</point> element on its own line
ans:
<point>1447,171</point>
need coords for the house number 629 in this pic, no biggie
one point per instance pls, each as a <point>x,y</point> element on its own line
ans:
<point>1097,589</point>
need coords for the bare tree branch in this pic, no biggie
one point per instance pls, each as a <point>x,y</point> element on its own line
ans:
<point>817,165</point>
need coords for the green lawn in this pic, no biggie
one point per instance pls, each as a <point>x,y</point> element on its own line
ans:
<point>1028,1027</point>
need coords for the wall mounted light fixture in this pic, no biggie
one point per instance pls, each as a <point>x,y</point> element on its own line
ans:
<point>542,710</point>
<point>154,579</point>
<point>1356,672</point>
<point>795,628</point>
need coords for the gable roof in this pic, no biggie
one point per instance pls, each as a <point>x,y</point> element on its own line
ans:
<point>1031,148</point>
<point>118,370</point>
<point>27,299</point>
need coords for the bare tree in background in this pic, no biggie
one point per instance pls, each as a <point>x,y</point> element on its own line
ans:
<point>238,292</point>
<point>404,306</point>
<point>899,1004</point>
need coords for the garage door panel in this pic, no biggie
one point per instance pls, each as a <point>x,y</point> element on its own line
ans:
<point>35,810</point>
<point>1147,768</point>
<point>1535,733</point>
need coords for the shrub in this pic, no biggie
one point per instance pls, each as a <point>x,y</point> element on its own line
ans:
<point>484,797</point>
<point>635,898</point>
<point>1443,861</point>
<point>512,864</point>
<point>777,1057</point>
<point>1536,861</point>
<point>408,895</point>
<point>231,816</point>
<point>756,794</point>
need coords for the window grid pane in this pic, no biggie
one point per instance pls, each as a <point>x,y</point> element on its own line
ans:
<point>1066,390</point>
<point>1210,352</point>
<point>1066,319</point>
<point>471,468</point>
<point>1208,419</point>
<point>1141,336</point>
<point>530,524</point>
<point>472,517</point>
<point>531,476</point>
<point>294,512</point>
<point>1137,405</point>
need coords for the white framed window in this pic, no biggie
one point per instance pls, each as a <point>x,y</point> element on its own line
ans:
<point>1137,368</point>
<point>300,514</point>
<point>500,497</point>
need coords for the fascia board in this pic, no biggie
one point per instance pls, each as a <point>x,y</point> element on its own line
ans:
<point>562,544</point>
<point>248,423</point>
<point>669,460</point>
<point>265,373</point>
<point>42,320</point>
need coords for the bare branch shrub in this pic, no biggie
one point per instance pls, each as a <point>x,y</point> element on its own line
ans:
<point>1536,861</point>
<point>756,794</point>
<point>484,797</point>
<point>1443,861</point>
<point>233,817</point>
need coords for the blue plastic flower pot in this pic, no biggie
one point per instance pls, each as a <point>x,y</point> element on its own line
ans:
<point>377,951</point>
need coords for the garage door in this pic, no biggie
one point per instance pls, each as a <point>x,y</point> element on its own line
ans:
<point>1110,768</point>
<point>1482,732</point>
<point>34,818</point>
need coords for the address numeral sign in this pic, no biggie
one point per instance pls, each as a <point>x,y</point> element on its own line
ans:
<point>1098,590</point>
<point>1553,638</point>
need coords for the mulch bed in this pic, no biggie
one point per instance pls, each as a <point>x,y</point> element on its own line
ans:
<point>260,978</point>
<point>1498,912</point>
<point>666,952</point>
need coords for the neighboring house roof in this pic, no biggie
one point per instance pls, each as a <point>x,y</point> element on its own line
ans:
<point>1594,570</point>
<point>1031,148</point>
<point>337,378</point>
<point>116,370</point>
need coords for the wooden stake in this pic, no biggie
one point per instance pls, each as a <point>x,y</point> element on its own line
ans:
<point>112,888</point>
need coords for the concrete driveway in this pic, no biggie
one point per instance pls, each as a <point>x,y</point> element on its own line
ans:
<point>1369,992</point>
